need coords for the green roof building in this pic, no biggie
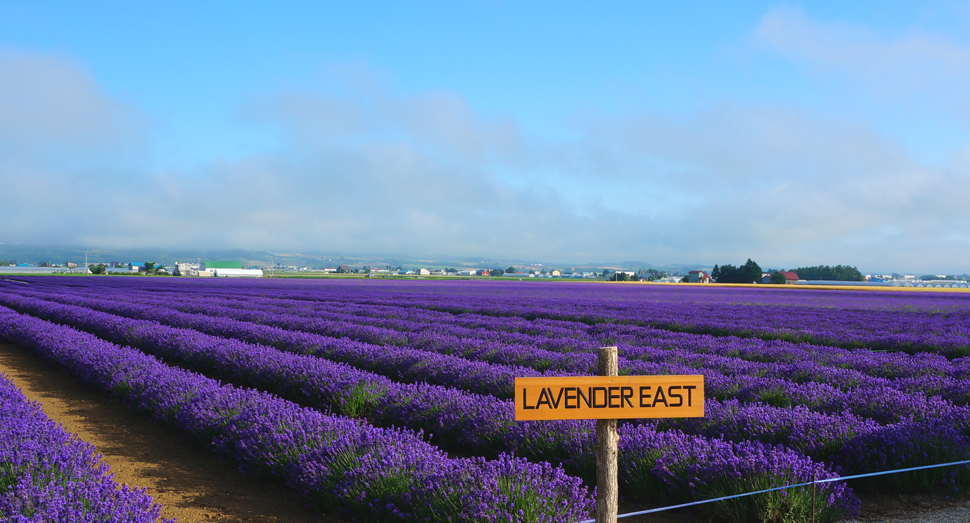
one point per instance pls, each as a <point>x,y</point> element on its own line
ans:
<point>218,264</point>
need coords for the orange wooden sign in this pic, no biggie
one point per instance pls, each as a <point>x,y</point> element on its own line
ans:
<point>609,397</point>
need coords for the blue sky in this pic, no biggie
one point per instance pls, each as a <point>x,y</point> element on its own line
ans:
<point>794,134</point>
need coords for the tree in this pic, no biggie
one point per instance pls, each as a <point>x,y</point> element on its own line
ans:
<point>149,268</point>
<point>510,270</point>
<point>778,278</point>
<point>727,274</point>
<point>716,273</point>
<point>751,272</point>
<point>97,269</point>
<point>496,272</point>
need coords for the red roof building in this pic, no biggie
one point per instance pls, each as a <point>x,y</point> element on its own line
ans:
<point>698,277</point>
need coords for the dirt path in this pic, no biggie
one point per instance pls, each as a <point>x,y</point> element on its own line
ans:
<point>190,483</point>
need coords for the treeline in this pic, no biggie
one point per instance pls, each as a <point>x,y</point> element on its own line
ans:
<point>824,272</point>
<point>750,272</point>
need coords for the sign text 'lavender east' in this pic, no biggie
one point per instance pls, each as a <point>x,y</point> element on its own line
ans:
<point>609,397</point>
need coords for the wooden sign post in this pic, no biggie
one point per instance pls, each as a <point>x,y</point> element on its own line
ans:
<point>607,398</point>
<point>607,488</point>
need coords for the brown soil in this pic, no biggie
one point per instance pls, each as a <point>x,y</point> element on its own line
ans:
<point>191,483</point>
<point>890,507</point>
<point>194,485</point>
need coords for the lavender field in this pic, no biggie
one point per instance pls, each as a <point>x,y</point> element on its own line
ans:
<point>391,400</point>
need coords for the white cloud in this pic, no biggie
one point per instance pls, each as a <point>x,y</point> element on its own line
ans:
<point>50,104</point>
<point>916,61</point>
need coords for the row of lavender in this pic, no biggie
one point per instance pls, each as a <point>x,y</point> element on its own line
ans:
<point>416,366</point>
<point>914,322</point>
<point>566,347</point>
<point>337,463</point>
<point>653,463</point>
<point>46,474</point>
<point>825,385</point>
<point>879,320</point>
<point>824,435</point>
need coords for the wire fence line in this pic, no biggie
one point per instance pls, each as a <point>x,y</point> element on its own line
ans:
<point>794,485</point>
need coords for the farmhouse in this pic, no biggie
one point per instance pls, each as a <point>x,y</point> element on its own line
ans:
<point>698,277</point>
<point>186,269</point>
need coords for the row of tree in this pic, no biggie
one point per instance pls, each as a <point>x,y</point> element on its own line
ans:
<point>149,268</point>
<point>961,277</point>
<point>824,272</point>
<point>750,272</point>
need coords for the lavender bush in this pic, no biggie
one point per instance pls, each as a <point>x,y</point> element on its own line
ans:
<point>47,474</point>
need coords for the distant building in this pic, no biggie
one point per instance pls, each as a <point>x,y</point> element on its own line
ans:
<point>698,277</point>
<point>424,272</point>
<point>341,269</point>
<point>186,269</point>
<point>237,273</point>
<point>227,269</point>
<point>17,269</point>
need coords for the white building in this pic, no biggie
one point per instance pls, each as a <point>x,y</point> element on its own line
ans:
<point>237,273</point>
